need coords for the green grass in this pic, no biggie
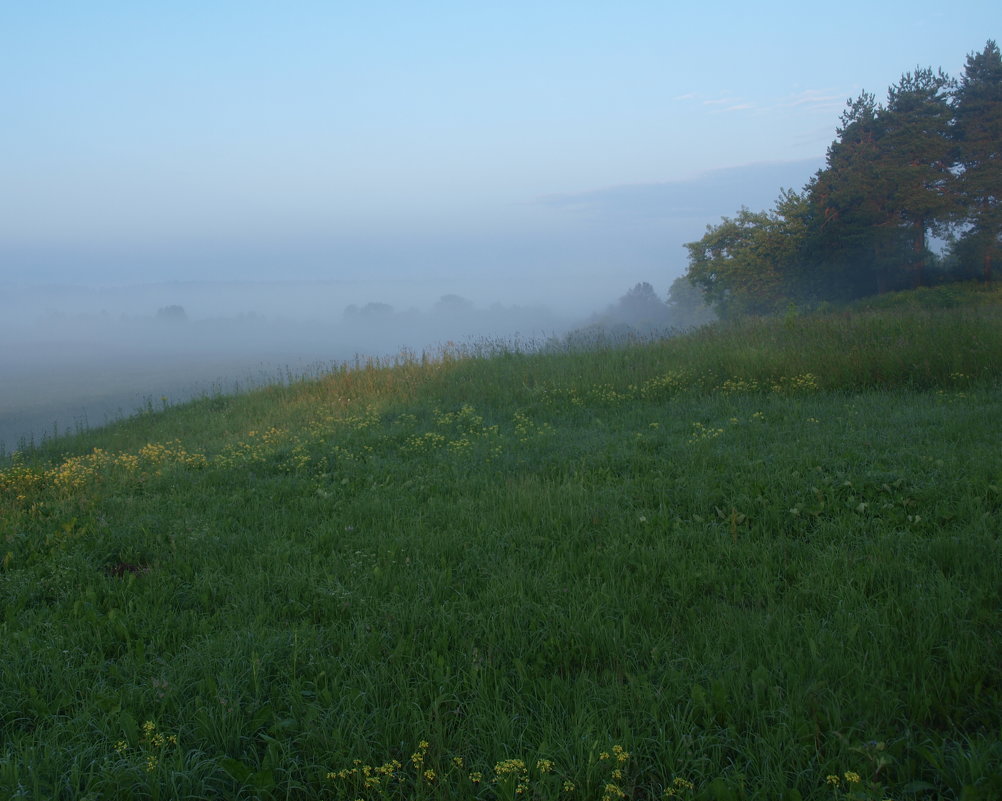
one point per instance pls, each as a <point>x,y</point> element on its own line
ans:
<point>747,559</point>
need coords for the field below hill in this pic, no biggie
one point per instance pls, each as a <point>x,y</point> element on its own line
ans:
<point>761,561</point>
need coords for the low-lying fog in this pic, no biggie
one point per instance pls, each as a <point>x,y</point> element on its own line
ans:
<point>84,341</point>
<point>78,357</point>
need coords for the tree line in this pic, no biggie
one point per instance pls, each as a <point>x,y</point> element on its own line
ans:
<point>925,163</point>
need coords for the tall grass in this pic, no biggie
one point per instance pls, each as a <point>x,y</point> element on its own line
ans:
<point>760,561</point>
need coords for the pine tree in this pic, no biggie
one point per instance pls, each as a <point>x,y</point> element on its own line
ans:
<point>916,157</point>
<point>978,133</point>
<point>854,238</point>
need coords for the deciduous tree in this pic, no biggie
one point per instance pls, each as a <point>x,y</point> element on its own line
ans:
<point>749,263</point>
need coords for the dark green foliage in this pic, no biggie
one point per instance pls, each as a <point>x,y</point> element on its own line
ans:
<point>926,162</point>
<point>745,264</point>
<point>978,131</point>
<point>917,158</point>
<point>854,240</point>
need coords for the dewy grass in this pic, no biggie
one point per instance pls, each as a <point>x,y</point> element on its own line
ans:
<point>751,563</point>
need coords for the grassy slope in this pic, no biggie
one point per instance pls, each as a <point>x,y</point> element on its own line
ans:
<point>751,558</point>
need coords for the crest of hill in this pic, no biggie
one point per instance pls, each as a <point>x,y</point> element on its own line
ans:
<point>920,339</point>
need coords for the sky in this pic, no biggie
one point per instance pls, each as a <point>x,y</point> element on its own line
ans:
<point>517,149</point>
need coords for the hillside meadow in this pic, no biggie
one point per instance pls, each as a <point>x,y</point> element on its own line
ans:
<point>759,561</point>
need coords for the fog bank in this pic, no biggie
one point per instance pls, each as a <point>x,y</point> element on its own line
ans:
<point>79,357</point>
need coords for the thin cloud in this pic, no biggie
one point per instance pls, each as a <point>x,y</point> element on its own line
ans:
<point>719,105</point>
<point>814,100</point>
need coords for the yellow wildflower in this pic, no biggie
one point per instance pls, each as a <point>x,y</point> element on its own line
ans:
<point>611,791</point>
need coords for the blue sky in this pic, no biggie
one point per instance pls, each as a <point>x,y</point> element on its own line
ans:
<point>156,141</point>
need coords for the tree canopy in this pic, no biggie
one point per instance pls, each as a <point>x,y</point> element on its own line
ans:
<point>927,162</point>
